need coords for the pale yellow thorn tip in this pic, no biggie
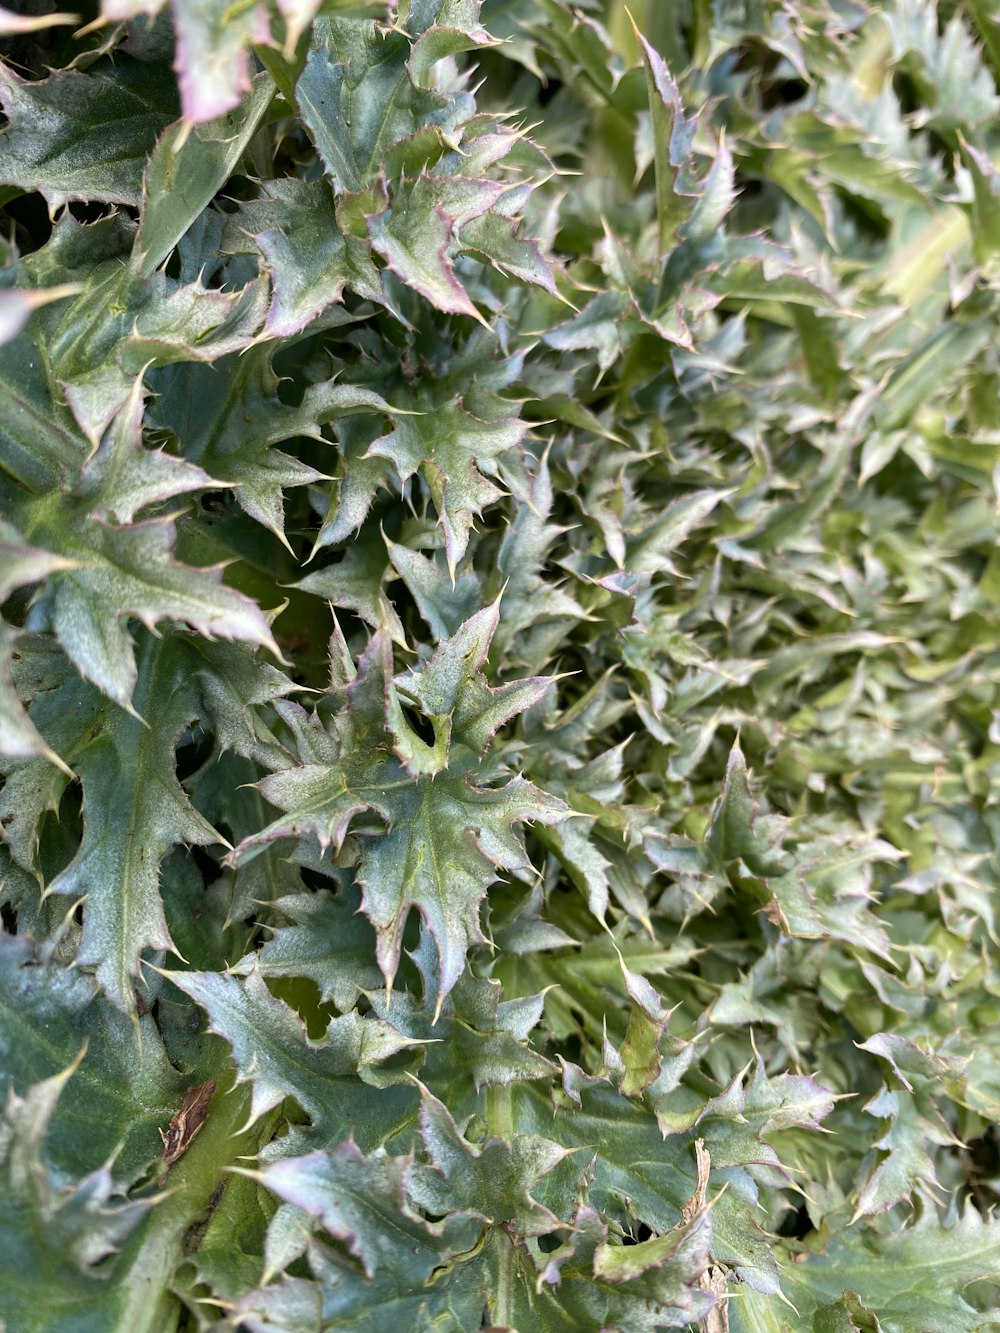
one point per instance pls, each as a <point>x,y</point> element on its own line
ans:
<point>63,767</point>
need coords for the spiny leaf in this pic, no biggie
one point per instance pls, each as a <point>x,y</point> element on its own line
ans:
<point>630,392</point>
<point>187,167</point>
<point>329,1078</point>
<point>452,450</point>
<point>446,835</point>
<point>55,1236</point>
<point>116,870</point>
<point>122,572</point>
<point>932,1266</point>
<point>86,135</point>
<point>110,1110</point>
<point>494,1180</point>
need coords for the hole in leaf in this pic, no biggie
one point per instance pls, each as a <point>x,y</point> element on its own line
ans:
<point>980,1159</point>
<point>303,995</point>
<point>548,91</point>
<point>419,724</point>
<point>207,865</point>
<point>316,879</point>
<point>867,218</point>
<point>88,212</point>
<point>32,227</point>
<point>192,755</point>
<point>640,1233</point>
<point>783,92</point>
<point>796,1223</point>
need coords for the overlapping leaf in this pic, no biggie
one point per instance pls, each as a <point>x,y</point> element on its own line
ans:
<point>55,1237</point>
<point>678,339</point>
<point>448,820</point>
<point>477,1253</point>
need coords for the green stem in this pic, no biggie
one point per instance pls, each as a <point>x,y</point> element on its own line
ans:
<point>502,1302</point>
<point>153,1256</point>
<point>500,1111</point>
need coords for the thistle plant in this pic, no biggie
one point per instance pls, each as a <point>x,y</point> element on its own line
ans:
<point>499,666</point>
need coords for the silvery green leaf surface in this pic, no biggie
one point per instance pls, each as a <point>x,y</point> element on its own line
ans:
<point>272,1051</point>
<point>447,820</point>
<point>85,135</point>
<point>125,1087</point>
<point>189,166</point>
<point>56,1234</point>
<point>134,810</point>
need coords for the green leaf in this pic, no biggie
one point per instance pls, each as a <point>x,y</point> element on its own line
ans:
<point>649,554</point>
<point>20,564</point>
<point>369,1206</point>
<point>356,582</point>
<point>455,454</point>
<point>122,477</point>
<point>188,167</point>
<point>86,135</point>
<point>331,1079</point>
<point>116,870</point>
<point>19,737</point>
<point>922,1288</point>
<point>732,833</point>
<point>416,237</point>
<point>601,920</point>
<point>443,604</point>
<point>446,834</point>
<point>672,137</point>
<point>92,347</point>
<point>128,571</point>
<point>636,1176</point>
<point>357,100</point>
<point>651,1285</point>
<point>330,942</point>
<point>987,27</point>
<point>125,1088</point>
<point>452,684</point>
<point>293,225</point>
<point>361,1202</point>
<point>494,1180</point>
<point>475,1040</point>
<point>55,1236</point>
<point>985,207</point>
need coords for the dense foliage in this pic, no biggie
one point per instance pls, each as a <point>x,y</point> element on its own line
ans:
<point>500,666</point>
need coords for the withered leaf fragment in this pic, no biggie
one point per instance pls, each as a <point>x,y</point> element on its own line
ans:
<point>185,1123</point>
